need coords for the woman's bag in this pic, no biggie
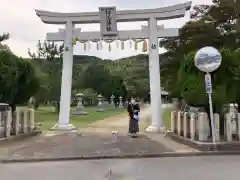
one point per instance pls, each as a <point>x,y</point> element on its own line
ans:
<point>135,115</point>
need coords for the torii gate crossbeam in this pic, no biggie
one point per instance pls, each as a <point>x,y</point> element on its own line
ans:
<point>163,13</point>
<point>122,35</point>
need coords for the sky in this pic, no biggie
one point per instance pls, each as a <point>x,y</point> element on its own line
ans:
<point>18,18</point>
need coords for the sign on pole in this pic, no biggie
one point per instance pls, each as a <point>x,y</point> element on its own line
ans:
<point>108,21</point>
<point>208,83</point>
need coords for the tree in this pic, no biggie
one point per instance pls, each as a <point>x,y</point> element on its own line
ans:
<point>4,36</point>
<point>18,79</point>
<point>211,25</point>
<point>233,77</point>
<point>49,59</point>
<point>43,93</point>
<point>224,14</point>
<point>47,50</point>
<point>134,72</point>
<point>169,68</point>
<point>97,77</point>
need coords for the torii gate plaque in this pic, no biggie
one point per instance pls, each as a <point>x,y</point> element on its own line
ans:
<point>109,31</point>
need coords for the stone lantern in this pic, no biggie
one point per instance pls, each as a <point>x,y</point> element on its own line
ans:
<point>112,100</point>
<point>120,102</point>
<point>80,107</point>
<point>31,102</point>
<point>100,103</point>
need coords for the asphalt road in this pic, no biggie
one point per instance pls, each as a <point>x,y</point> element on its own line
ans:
<point>187,168</point>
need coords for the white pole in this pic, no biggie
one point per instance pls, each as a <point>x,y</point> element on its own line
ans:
<point>66,85</point>
<point>211,111</point>
<point>154,76</point>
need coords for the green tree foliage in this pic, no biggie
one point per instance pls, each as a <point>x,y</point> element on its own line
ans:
<point>18,79</point>
<point>120,77</point>
<point>211,25</point>
<point>135,73</point>
<point>97,77</point>
<point>47,50</point>
<point>45,85</point>
<point>4,36</point>
<point>48,60</point>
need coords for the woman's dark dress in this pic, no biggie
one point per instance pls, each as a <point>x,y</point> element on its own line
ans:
<point>133,109</point>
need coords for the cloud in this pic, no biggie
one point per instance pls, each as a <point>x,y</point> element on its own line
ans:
<point>19,19</point>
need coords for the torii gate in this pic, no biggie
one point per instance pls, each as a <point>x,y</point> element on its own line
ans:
<point>108,18</point>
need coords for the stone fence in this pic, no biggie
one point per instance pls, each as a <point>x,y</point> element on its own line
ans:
<point>195,127</point>
<point>19,122</point>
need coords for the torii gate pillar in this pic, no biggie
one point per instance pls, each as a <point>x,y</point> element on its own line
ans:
<point>154,77</point>
<point>66,86</point>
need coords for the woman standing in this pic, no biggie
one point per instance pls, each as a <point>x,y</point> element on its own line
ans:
<point>133,111</point>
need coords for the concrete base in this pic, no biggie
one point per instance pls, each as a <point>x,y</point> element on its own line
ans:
<point>58,127</point>
<point>155,129</point>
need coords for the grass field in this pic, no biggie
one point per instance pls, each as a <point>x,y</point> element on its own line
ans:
<point>46,116</point>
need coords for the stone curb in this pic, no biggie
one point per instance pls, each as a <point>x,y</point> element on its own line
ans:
<point>206,146</point>
<point>129,156</point>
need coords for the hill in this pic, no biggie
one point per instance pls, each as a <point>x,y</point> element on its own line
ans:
<point>132,72</point>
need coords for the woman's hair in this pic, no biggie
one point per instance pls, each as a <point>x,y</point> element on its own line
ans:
<point>130,97</point>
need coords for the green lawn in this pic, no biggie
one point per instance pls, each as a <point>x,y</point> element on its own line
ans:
<point>47,117</point>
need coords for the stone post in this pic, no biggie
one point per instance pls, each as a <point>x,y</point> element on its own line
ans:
<point>228,127</point>
<point>185,129</point>
<point>192,126</point>
<point>238,126</point>
<point>25,121</point>
<point>31,119</point>
<point>202,133</point>
<point>8,123</point>
<point>173,121</point>
<point>217,126</point>
<point>2,129</point>
<point>179,123</point>
<point>17,123</point>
